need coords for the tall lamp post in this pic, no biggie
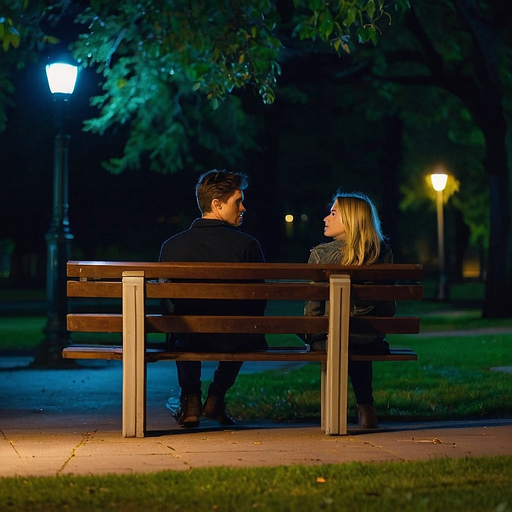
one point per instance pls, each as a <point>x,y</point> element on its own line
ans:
<point>61,80</point>
<point>439,183</point>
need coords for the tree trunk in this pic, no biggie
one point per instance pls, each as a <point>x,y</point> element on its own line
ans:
<point>489,111</point>
<point>498,286</point>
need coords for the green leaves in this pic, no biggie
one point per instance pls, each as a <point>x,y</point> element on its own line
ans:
<point>336,22</point>
<point>152,53</point>
<point>368,33</point>
<point>9,36</point>
<point>21,25</point>
<point>21,38</point>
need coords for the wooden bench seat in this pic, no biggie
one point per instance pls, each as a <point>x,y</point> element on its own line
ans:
<point>138,283</point>
<point>115,353</point>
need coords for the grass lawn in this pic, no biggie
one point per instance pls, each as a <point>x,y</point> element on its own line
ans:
<point>21,333</point>
<point>477,484</point>
<point>451,380</point>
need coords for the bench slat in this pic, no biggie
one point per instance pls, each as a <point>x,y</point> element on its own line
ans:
<point>94,322</point>
<point>239,291</point>
<point>99,289</point>
<point>387,292</point>
<point>93,352</point>
<point>205,290</point>
<point>115,353</point>
<point>387,325</point>
<point>241,271</point>
<point>236,324</point>
<point>265,291</point>
<point>97,322</point>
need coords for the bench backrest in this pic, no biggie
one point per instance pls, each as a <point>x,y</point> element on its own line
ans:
<point>261,281</point>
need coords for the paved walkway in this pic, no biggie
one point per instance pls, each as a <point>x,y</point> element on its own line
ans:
<point>56,422</point>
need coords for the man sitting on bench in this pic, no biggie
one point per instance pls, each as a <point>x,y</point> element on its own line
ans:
<point>213,237</point>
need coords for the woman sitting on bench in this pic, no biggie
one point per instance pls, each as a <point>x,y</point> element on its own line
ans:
<point>354,225</point>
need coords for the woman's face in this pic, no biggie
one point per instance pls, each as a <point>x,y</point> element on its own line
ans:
<point>334,227</point>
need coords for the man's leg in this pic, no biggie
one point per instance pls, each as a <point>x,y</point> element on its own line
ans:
<point>223,378</point>
<point>189,379</point>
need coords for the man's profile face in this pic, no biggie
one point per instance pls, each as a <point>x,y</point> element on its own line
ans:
<point>232,211</point>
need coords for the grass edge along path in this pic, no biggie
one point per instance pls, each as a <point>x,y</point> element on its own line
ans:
<point>468,484</point>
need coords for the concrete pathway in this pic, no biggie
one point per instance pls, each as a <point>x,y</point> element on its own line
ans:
<point>56,422</point>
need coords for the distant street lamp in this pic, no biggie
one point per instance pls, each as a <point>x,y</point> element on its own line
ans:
<point>61,80</point>
<point>439,183</point>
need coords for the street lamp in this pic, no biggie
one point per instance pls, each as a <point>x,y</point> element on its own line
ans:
<point>61,80</point>
<point>439,183</point>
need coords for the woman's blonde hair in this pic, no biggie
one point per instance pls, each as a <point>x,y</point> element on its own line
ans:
<point>363,235</point>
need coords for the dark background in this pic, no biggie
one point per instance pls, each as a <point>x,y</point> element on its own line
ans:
<point>306,151</point>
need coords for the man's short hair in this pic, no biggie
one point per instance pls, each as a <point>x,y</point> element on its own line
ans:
<point>219,185</point>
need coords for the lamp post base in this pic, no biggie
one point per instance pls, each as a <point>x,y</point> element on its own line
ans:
<point>442,289</point>
<point>48,354</point>
<point>56,336</point>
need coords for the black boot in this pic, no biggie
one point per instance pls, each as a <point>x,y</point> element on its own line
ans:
<point>189,412</point>
<point>366,416</point>
<point>215,409</point>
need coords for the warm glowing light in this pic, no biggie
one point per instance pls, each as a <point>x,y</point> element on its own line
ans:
<point>61,77</point>
<point>288,218</point>
<point>439,181</point>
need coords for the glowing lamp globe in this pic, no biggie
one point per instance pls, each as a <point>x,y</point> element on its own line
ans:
<point>439,181</point>
<point>61,77</point>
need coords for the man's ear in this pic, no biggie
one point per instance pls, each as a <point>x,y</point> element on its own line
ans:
<point>216,205</point>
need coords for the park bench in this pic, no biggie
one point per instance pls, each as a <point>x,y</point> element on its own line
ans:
<point>140,285</point>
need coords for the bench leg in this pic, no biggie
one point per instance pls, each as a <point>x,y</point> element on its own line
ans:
<point>337,356</point>
<point>134,365</point>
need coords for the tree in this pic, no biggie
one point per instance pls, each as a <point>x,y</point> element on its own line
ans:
<point>464,48</point>
<point>155,55</point>
<point>181,50</point>
<point>21,36</point>
<point>159,60</point>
